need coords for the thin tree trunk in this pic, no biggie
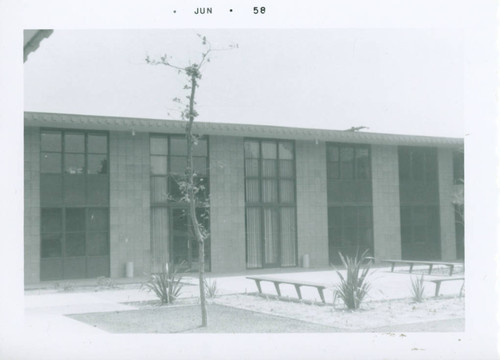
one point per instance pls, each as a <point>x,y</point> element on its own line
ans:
<point>199,237</point>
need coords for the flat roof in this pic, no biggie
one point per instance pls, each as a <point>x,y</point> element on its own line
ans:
<point>110,123</point>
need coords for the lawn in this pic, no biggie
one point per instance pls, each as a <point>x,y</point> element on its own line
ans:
<point>186,319</point>
<point>246,313</point>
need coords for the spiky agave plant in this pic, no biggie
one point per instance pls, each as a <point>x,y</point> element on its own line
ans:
<point>417,288</point>
<point>353,288</point>
<point>166,285</point>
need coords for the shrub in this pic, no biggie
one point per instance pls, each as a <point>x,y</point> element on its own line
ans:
<point>211,288</point>
<point>417,288</point>
<point>354,287</point>
<point>166,285</point>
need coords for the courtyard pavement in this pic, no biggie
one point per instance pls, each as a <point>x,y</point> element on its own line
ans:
<point>45,305</point>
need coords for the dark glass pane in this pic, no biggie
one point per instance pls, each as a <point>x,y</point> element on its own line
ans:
<point>74,143</point>
<point>200,148</point>
<point>254,237</point>
<point>332,153</point>
<point>287,191</point>
<point>349,237</point>
<point>51,220</point>
<point>419,215</point>
<point>200,165</point>
<point>252,190</point>
<point>417,165</point>
<point>335,216</point>
<point>97,144</point>
<point>74,190</point>
<point>362,163</point>
<point>75,220</point>
<point>178,146</point>
<point>251,167</point>
<point>178,165</point>
<point>159,165</point>
<point>51,141</point>
<point>74,164</point>
<point>159,189</point>
<point>269,150</point>
<point>97,266</point>
<point>97,244</point>
<point>174,188</point>
<point>252,149</point>
<point>431,166</point>
<point>347,162</point>
<point>180,220</point>
<point>97,220</point>
<point>350,218</point>
<point>404,164</point>
<point>51,245</point>
<point>269,168</point>
<point>203,188</point>
<point>364,216</point>
<point>97,190</point>
<point>286,168</point>
<point>158,145</point>
<point>75,244</point>
<point>286,150</point>
<point>50,163</point>
<point>333,170</point>
<point>269,190</point>
<point>458,167</point>
<point>97,164</point>
<point>50,189</point>
<point>271,236</point>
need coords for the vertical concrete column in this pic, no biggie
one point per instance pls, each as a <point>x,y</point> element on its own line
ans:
<point>386,206</point>
<point>129,202</point>
<point>227,204</point>
<point>312,208</point>
<point>31,205</point>
<point>446,209</point>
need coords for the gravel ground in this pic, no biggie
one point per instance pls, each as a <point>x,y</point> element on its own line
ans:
<point>186,319</point>
<point>371,315</point>
<point>249,313</point>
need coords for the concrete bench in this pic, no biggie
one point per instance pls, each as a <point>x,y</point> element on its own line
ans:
<point>438,282</point>
<point>419,262</point>
<point>296,284</point>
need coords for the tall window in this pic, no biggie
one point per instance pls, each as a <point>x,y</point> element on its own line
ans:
<point>349,194</point>
<point>458,167</point>
<point>419,199</point>
<point>417,164</point>
<point>270,203</point>
<point>74,199</point>
<point>172,235</point>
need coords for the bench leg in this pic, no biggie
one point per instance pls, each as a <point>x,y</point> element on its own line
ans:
<point>257,282</point>
<point>321,295</point>
<point>277,286</point>
<point>392,266</point>
<point>297,287</point>
<point>438,285</point>
<point>411,268</point>
<point>451,269</point>
<point>430,269</point>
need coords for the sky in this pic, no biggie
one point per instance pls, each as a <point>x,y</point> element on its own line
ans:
<point>403,81</point>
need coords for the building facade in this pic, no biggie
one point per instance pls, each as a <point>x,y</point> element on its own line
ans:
<point>102,191</point>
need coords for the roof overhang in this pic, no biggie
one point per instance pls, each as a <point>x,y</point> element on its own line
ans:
<point>32,39</point>
<point>90,122</point>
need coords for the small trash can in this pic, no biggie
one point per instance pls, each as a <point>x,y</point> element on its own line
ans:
<point>129,269</point>
<point>305,261</point>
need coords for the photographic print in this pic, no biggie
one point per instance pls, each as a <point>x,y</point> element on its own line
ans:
<point>248,183</point>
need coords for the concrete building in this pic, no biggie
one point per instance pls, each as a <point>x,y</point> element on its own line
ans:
<point>101,192</point>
